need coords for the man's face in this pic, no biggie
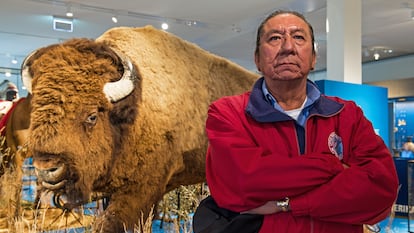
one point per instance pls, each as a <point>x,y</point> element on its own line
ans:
<point>11,95</point>
<point>285,50</point>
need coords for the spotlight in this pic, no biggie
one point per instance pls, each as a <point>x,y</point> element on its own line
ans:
<point>14,61</point>
<point>114,19</point>
<point>69,12</point>
<point>164,26</point>
<point>376,56</point>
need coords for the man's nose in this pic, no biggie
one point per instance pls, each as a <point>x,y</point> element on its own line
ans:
<point>288,43</point>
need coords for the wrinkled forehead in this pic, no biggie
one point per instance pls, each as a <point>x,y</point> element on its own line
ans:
<point>286,23</point>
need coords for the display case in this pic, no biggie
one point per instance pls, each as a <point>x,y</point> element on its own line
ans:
<point>403,127</point>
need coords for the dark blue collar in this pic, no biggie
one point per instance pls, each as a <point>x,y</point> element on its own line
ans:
<point>262,110</point>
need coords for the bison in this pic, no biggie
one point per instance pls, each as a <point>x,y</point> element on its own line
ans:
<point>17,128</point>
<point>14,128</point>
<point>124,115</point>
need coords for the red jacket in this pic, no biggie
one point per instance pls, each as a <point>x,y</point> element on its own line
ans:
<point>254,157</point>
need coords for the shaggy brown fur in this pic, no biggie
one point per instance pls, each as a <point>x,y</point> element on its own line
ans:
<point>140,147</point>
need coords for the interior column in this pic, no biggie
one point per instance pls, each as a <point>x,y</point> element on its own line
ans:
<point>344,61</point>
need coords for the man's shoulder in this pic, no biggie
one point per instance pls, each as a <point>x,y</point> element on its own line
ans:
<point>340,100</point>
<point>234,98</point>
<point>233,101</point>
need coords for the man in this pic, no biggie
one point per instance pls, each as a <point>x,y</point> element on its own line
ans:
<point>305,161</point>
<point>11,94</point>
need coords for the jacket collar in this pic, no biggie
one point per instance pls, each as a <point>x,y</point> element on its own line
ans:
<point>262,110</point>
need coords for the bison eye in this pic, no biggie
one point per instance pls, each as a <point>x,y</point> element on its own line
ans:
<point>91,119</point>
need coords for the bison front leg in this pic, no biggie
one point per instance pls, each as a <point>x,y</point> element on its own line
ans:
<point>109,222</point>
<point>125,212</point>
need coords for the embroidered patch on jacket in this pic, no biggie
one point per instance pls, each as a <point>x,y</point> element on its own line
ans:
<point>335,145</point>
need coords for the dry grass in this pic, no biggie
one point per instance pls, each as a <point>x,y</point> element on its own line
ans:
<point>33,219</point>
<point>178,206</point>
<point>177,216</point>
<point>17,215</point>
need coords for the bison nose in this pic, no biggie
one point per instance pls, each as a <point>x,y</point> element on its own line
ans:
<point>51,174</point>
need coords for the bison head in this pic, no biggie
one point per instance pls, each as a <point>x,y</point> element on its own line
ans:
<point>84,96</point>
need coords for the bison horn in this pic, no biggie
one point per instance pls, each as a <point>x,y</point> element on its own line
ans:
<point>115,91</point>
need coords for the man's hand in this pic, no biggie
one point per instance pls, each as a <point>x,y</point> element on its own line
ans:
<point>268,208</point>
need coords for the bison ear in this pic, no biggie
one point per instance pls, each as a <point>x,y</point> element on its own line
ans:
<point>27,79</point>
<point>25,72</point>
<point>124,112</point>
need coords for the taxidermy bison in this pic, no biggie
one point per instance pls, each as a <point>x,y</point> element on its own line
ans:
<point>123,115</point>
<point>14,127</point>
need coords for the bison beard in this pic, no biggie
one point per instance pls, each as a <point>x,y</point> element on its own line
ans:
<point>134,142</point>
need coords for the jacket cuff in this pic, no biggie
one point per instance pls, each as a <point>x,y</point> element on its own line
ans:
<point>299,206</point>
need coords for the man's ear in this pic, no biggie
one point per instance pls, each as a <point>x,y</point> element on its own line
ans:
<point>313,61</point>
<point>256,61</point>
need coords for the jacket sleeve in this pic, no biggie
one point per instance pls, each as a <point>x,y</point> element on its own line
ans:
<point>365,192</point>
<point>241,175</point>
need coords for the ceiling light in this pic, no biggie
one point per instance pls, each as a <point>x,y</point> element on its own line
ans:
<point>412,14</point>
<point>191,23</point>
<point>7,74</point>
<point>164,26</point>
<point>69,12</point>
<point>14,61</point>
<point>376,56</point>
<point>114,19</point>
<point>327,25</point>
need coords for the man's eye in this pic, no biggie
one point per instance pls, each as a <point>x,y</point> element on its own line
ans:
<point>299,37</point>
<point>273,38</point>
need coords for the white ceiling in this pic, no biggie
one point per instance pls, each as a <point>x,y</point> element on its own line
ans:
<point>224,27</point>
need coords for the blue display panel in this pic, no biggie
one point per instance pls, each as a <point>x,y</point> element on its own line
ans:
<point>373,100</point>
